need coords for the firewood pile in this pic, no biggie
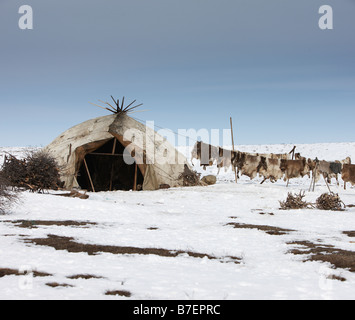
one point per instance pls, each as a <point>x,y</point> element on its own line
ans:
<point>14,171</point>
<point>189,177</point>
<point>327,201</point>
<point>37,172</point>
<point>295,201</point>
<point>330,201</point>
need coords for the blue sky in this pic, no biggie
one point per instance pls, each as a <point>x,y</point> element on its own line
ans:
<point>193,64</point>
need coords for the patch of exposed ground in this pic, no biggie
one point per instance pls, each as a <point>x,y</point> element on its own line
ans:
<point>350,233</point>
<point>262,212</point>
<point>122,293</point>
<point>68,244</point>
<point>35,223</point>
<point>9,272</point>
<point>56,284</point>
<point>84,276</point>
<point>276,231</point>
<point>339,258</point>
<point>334,277</point>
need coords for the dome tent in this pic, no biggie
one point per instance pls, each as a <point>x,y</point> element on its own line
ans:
<point>116,152</point>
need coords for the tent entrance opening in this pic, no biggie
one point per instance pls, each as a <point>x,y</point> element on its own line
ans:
<point>105,170</point>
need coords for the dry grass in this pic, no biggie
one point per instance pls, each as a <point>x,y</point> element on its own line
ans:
<point>276,231</point>
<point>350,233</point>
<point>33,224</point>
<point>8,272</point>
<point>339,258</point>
<point>7,197</point>
<point>122,293</point>
<point>68,244</point>
<point>334,277</point>
<point>73,194</point>
<point>56,284</point>
<point>84,276</point>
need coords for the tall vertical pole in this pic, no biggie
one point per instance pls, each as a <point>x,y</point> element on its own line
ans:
<point>293,157</point>
<point>235,171</point>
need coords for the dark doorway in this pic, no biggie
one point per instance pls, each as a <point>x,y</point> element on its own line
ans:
<point>108,170</point>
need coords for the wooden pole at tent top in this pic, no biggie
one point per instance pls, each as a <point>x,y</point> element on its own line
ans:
<point>234,169</point>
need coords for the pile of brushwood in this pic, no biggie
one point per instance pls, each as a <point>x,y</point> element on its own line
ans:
<point>327,201</point>
<point>189,177</point>
<point>295,201</point>
<point>7,196</point>
<point>330,201</point>
<point>37,172</point>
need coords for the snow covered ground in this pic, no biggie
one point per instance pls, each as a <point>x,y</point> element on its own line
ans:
<point>215,256</point>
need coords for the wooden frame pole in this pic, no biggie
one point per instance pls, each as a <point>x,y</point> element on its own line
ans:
<point>234,169</point>
<point>314,174</point>
<point>314,181</point>
<point>310,187</point>
<point>88,172</point>
<point>326,182</point>
<point>293,157</point>
<point>135,178</point>
<point>113,152</point>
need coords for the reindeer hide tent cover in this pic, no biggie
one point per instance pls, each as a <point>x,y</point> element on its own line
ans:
<point>91,156</point>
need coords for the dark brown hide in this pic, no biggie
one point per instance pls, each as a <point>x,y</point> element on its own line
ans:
<point>348,174</point>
